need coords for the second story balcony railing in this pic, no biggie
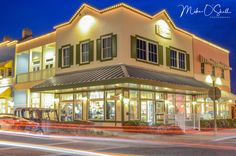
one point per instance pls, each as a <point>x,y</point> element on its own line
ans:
<point>35,76</point>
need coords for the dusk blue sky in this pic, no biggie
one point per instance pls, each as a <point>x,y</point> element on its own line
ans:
<point>42,15</point>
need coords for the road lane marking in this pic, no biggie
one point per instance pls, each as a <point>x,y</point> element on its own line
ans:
<point>51,149</point>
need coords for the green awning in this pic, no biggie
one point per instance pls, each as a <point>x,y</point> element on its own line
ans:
<point>120,74</point>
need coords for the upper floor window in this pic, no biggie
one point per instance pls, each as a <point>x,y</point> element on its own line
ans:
<point>66,56</point>
<point>2,73</point>
<point>213,71</point>
<point>49,63</point>
<point>141,49</point>
<point>173,58</point>
<point>203,68</point>
<point>146,50</point>
<point>177,59</point>
<point>222,73</point>
<point>9,72</point>
<point>106,47</point>
<point>36,65</point>
<point>84,48</point>
<point>182,60</point>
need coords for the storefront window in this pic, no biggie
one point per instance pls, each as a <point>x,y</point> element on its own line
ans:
<point>133,110</point>
<point>160,96</point>
<point>170,106</point>
<point>96,95</point>
<point>47,100</point>
<point>110,109</point>
<point>180,102</point>
<point>96,110</point>
<point>110,94</point>
<point>146,95</point>
<point>79,98</point>
<point>66,106</point>
<point>3,105</point>
<point>133,94</point>
<point>78,110</point>
<point>35,100</point>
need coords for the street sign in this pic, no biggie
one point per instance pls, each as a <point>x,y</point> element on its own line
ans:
<point>214,93</point>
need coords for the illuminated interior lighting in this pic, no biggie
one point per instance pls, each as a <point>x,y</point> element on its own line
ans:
<point>126,101</point>
<point>218,81</point>
<point>86,22</point>
<point>163,29</point>
<point>209,79</point>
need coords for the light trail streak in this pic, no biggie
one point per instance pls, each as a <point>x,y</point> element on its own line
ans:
<point>51,149</point>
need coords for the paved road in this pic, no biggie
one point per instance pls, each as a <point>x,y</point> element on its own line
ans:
<point>19,144</point>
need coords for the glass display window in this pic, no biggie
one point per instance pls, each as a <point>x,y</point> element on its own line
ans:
<point>146,95</point>
<point>110,94</point>
<point>47,100</point>
<point>78,110</point>
<point>110,110</point>
<point>96,110</point>
<point>133,110</point>
<point>66,111</point>
<point>160,96</point>
<point>35,100</point>
<point>66,97</point>
<point>133,94</point>
<point>96,95</point>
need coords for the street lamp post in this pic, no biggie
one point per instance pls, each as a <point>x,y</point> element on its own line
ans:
<point>214,103</point>
<point>215,94</point>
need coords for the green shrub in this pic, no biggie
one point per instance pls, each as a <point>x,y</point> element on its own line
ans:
<point>221,123</point>
<point>135,123</point>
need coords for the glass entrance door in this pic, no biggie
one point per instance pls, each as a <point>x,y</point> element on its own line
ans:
<point>148,111</point>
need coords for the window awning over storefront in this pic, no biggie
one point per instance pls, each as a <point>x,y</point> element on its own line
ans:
<point>120,74</point>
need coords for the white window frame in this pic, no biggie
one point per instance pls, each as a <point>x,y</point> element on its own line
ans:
<point>177,58</point>
<point>81,52</point>
<point>147,50</point>
<point>102,38</point>
<point>63,65</point>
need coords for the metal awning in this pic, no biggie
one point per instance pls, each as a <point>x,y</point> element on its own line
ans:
<point>120,74</point>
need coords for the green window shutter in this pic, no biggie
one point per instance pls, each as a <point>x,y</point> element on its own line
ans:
<point>133,46</point>
<point>91,50</point>
<point>167,56</point>
<point>71,55</point>
<point>59,58</point>
<point>188,62</point>
<point>160,54</point>
<point>98,49</point>
<point>78,54</point>
<point>114,45</point>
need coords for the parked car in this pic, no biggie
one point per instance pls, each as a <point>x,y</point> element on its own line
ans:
<point>11,122</point>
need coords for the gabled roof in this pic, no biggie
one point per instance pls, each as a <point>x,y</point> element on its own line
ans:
<point>123,5</point>
<point>120,74</point>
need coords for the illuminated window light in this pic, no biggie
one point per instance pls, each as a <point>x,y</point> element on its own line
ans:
<point>86,22</point>
<point>209,79</point>
<point>218,81</point>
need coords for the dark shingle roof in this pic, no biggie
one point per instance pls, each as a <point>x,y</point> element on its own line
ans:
<point>116,72</point>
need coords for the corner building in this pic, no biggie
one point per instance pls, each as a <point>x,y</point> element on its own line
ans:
<point>120,64</point>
